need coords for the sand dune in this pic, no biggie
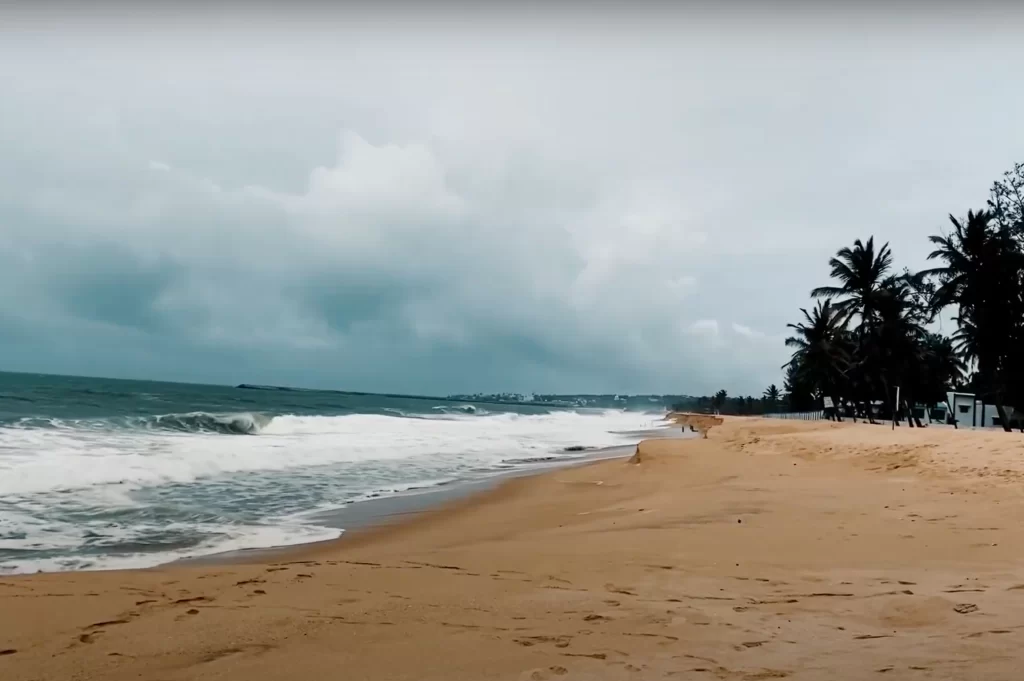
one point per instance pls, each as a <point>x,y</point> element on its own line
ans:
<point>772,549</point>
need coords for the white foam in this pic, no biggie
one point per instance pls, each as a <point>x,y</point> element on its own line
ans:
<point>66,491</point>
<point>231,538</point>
<point>66,459</point>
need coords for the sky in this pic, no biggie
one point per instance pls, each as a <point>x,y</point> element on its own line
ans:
<point>440,198</point>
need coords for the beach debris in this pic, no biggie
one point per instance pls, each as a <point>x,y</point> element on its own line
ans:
<point>8,651</point>
<point>965,608</point>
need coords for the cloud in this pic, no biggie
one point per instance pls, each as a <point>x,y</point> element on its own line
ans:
<point>708,327</point>
<point>747,331</point>
<point>391,209</point>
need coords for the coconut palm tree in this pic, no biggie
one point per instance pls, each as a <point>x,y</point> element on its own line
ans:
<point>798,391</point>
<point>943,368</point>
<point>771,397</point>
<point>821,349</point>
<point>981,275</point>
<point>891,348</point>
<point>860,272</point>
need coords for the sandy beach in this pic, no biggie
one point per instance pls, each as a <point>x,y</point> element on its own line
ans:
<point>772,549</point>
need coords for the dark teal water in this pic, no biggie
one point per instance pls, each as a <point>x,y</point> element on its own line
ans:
<point>41,398</point>
<point>110,473</point>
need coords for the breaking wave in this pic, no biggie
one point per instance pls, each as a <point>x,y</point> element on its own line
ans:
<point>241,423</point>
<point>244,423</point>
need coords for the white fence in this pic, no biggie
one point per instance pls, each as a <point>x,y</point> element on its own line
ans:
<point>799,415</point>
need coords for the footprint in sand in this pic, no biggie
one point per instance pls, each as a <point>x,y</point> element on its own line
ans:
<point>619,590</point>
<point>193,599</point>
<point>543,674</point>
<point>90,632</point>
<point>559,641</point>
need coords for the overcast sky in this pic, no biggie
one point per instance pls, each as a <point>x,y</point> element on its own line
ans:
<point>431,199</point>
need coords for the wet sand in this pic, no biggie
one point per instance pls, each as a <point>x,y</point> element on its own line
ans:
<point>772,549</point>
<point>370,514</point>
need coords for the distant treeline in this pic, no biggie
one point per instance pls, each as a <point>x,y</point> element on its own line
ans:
<point>769,403</point>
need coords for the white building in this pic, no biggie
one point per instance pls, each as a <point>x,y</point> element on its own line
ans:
<point>970,412</point>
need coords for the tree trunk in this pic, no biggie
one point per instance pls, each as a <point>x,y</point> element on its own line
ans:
<point>911,416</point>
<point>888,400</point>
<point>1002,413</point>
<point>869,411</point>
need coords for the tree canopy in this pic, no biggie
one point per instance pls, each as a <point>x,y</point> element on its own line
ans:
<point>872,328</point>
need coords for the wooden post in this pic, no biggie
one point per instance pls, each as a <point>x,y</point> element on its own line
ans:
<point>895,407</point>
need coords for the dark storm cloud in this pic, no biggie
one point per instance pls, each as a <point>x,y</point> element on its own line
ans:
<point>445,197</point>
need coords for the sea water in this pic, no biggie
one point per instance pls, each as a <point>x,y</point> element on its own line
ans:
<point>101,473</point>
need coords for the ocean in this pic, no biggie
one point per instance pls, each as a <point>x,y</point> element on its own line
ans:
<point>102,473</point>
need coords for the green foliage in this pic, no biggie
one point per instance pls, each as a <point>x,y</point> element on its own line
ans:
<point>869,332</point>
<point>871,327</point>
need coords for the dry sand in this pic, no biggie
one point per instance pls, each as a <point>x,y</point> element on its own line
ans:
<point>773,549</point>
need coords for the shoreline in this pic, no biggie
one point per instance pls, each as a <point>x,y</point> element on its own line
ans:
<point>772,549</point>
<point>361,517</point>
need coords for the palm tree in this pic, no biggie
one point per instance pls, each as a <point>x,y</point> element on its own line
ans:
<point>965,280</point>
<point>718,401</point>
<point>821,352</point>
<point>891,347</point>
<point>943,368</point>
<point>981,275</point>
<point>771,396</point>
<point>860,273</point>
<point>798,391</point>
<point>863,275</point>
